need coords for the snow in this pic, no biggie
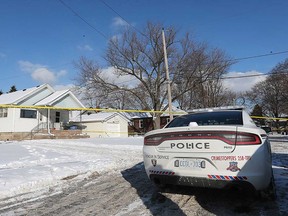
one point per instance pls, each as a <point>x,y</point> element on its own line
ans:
<point>31,168</point>
<point>279,147</point>
<point>49,100</point>
<point>13,97</point>
<point>36,165</point>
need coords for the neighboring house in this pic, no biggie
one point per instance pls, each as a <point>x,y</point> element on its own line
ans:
<point>143,122</point>
<point>102,124</point>
<point>29,119</point>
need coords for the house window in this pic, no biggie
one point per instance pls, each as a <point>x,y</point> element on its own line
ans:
<point>3,112</point>
<point>28,113</point>
<point>141,125</point>
<point>57,119</point>
<point>167,120</point>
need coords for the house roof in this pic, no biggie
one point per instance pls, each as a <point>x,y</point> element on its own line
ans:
<point>176,111</point>
<point>43,95</point>
<point>51,98</point>
<point>97,117</point>
<point>136,115</point>
<point>17,96</point>
<point>54,98</point>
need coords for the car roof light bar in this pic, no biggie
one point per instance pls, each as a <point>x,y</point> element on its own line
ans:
<point>217,109</point>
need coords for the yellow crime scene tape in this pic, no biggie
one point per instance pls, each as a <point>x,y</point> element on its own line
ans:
<point>84,109</point>
<point>112,110</point>
<point>265,117</point>
<point>106,133</point>
<point>111,132</point>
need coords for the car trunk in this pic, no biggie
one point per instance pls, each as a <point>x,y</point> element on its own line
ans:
<point>199,140</point>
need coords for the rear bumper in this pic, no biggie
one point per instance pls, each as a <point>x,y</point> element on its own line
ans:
<point>199,182</point>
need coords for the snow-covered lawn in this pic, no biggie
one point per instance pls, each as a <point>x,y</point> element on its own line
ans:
<point>31,168</point>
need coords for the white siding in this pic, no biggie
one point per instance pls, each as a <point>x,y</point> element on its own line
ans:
<point>94,129</point>
<point>67,101</point>
<point>114,127</point>
<point>6,123</point>
<point>13,122</point>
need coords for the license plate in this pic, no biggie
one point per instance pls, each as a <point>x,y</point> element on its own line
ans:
<point>190,164</point>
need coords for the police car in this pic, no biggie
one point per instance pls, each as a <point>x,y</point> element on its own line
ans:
<point>215,148</point>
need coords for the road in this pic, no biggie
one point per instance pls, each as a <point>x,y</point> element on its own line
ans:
<point>129,192</point>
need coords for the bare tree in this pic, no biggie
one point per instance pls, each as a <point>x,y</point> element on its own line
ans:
<point>97,89</point>
<point>257,111</point>
<point>271,94</point>
<point>280,72</point>
<point>141,56</point>
<point>210,93</point>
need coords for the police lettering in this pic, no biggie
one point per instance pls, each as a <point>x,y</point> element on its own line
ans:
<point>198,145</point>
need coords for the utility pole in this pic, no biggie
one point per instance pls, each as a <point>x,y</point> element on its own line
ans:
<point>167,76</point>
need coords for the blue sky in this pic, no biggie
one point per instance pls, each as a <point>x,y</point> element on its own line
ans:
<point>40,39</point>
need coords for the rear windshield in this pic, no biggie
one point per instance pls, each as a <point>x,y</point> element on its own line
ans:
<point>208,118</point>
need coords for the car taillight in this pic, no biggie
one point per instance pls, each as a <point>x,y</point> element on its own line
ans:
<point>229,137</point>
<point>152,140</point>
<point>242,139</point>
<point>248,139</point>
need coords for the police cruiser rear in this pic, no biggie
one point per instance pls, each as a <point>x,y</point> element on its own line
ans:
<point>215,148</point>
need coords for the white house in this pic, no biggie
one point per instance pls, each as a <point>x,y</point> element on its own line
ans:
<point>26,118</point>
<point>103,124</point>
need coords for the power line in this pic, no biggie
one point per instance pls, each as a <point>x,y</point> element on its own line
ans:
<point>115,12</point>
<point>244,76</point>
<point>112,9</point>
<point>223,78</point>
<point>103,35</point>
<point>253,75</point>
<point>84,20</point>
<point>236,59</point>
<point>259,56</point>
